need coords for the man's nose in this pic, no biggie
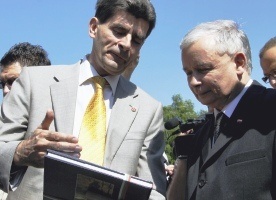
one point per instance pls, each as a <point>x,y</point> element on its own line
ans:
<point>125,42</point>
<point>194,79</point>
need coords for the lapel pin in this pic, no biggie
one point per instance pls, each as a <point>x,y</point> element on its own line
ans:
<point>239,121</point>
<point>133,109</point>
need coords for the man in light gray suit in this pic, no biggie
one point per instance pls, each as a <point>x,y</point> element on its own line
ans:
<point>134,138</point>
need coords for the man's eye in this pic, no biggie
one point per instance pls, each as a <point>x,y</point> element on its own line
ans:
<point>188,73</point>
<point>120,31</point>
<point>204,70</point>
<point>138,41</point>
<point>197,71</point>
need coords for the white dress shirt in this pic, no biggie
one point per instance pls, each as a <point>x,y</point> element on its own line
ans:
<point>86,92</point>
<point>229,108</point>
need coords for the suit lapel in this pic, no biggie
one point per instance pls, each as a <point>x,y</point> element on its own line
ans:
<point>123,113</point>
<point>235,126</point>
<point>64,94</point>
<point>208,154</point>
<point>214,150</point>
<point>195,160</point>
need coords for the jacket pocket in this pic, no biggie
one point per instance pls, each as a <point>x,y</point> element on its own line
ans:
<point>245,156</point>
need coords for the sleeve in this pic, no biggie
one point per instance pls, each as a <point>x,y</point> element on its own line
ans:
<point>151,158</point>
<point>13,126</point>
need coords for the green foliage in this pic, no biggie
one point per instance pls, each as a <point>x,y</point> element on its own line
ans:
<point>179,108</point>
<point>184,110</point>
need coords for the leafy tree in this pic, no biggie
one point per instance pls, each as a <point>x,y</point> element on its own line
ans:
<point>179,108</point>
<point>184,110</point>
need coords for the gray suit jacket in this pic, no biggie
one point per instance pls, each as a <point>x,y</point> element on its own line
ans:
<point>134,143</point>
<point>241,165</point>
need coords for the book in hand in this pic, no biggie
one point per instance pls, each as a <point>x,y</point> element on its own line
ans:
<point>67,177</point>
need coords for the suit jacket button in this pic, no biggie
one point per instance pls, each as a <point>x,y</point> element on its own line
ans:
<point>202,183</point>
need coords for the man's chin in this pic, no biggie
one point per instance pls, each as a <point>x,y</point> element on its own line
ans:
<point>113,68</point>
<point>114,72</point>
<point>203,101</point>
<point>114,63</point>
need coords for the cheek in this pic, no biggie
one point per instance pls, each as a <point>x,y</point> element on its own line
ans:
<point>104,38</point>
<point>223,87</point>
<point>215,87</point>
<point>218,85</point>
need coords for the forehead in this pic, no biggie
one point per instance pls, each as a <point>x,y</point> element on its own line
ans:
<point>199,51</point>
<point>123,18</point>
<point>268,61</point>
<point>270,54</point>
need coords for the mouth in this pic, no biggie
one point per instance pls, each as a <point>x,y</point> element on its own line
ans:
<point>200,93</point>
<point>118,57</point>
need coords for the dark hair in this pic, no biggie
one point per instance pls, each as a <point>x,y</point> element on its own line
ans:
<point>26,54</point>
<point>269,44</point>
<point>144,9</point>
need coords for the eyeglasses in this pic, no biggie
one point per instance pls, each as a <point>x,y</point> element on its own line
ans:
<point>7,83</point>
<point>266,79</point>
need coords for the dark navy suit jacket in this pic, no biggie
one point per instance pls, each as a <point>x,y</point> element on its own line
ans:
<point>241,164</point>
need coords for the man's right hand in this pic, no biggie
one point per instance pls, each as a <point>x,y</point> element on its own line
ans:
<point>31,152</point>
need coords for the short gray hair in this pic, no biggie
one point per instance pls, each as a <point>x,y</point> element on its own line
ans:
<point>225,35</point>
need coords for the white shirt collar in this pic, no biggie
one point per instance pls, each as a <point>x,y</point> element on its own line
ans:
<point>87,71</point>
<point>229,109</point>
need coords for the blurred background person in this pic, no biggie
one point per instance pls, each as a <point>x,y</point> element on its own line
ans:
<point>130,68</point>
<point>169,168</point>
<point>20,55</point>
<point>268,62</point>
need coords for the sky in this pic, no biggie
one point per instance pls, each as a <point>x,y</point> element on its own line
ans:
<point>61,28</point>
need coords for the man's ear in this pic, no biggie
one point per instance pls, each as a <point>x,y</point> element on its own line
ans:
<point>93,27</point>
<point>241,63</point>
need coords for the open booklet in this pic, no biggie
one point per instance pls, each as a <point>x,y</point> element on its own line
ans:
<point>67,177</point>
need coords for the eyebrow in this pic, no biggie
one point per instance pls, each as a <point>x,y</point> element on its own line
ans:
<point>135,35</point>
<point>118,25</point>
<point>204,64</point>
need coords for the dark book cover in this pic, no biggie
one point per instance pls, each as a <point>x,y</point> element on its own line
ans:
<point>67,177</point>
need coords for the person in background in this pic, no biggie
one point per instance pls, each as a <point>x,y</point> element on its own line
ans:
<point>232,154</point>
<point>127,74</point>
<point>20,55</point>
<point>268,62</point>
<point>51,102</point>
<point>182,147</point>
<point>130,68</point>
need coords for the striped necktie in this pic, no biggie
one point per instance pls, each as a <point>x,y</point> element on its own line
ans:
<point>218,125</point>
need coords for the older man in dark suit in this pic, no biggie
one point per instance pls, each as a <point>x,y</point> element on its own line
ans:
<point>233,154</point>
